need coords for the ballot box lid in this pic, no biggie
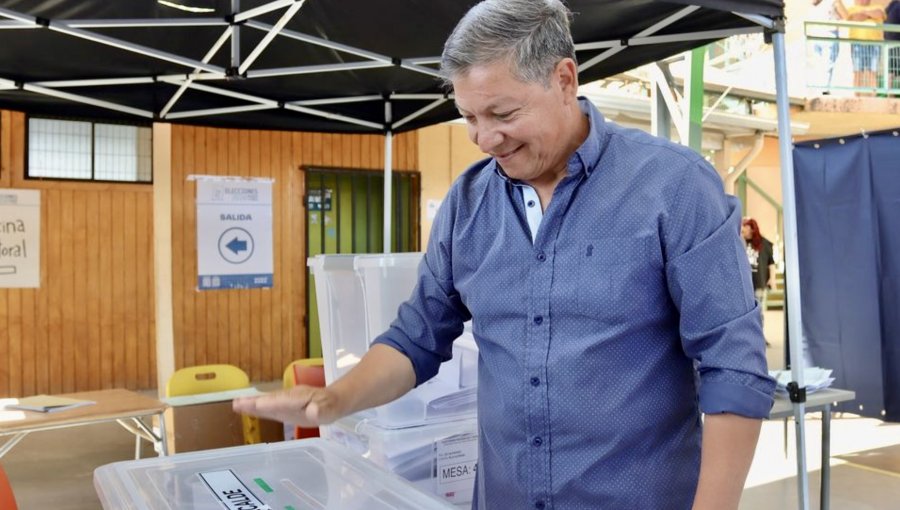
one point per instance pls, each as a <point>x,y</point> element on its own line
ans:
<point>308,474</point>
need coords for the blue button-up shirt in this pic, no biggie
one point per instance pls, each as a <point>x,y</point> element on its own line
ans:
<point>604,336</point>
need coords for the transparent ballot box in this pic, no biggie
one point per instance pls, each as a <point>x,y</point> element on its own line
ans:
<point>309,474</point>
<point>440,459</point>
<point>342,322</point>
<point>358,297</point>
<point>387,281</point>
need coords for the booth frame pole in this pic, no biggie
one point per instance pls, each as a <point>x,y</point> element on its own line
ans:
<point>792,270</point>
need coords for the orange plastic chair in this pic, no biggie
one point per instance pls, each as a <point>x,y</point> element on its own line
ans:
<point>310,372</point>
<point>210,379</point>
<point>7,499</point>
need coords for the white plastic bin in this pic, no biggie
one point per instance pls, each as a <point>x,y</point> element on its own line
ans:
<point>308,474</point>
<point>387,281</point>
<point>440,458</point>
<point>358,298</point>
<point>342,312</point>
<point>450,395</point>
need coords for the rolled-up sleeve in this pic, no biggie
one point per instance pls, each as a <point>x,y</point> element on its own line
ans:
<point>433,316</point>
<point>709,280</point>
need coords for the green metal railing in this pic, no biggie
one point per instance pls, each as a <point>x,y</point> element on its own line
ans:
<point>837,62</point>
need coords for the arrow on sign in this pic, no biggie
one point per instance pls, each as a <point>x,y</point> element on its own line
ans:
<point>236,246</point>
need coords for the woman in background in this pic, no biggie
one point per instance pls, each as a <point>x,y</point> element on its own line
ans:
<point>761,257</point>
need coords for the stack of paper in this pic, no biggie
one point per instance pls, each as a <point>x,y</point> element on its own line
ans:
<point>48,403</point>
<point>815,378</point>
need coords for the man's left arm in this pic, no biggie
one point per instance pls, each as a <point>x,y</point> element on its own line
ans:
<point>729,442</point>
<point>708,276</point>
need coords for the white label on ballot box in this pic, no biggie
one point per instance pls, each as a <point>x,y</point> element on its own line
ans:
<point>231,491</point>
<point>456,460</point>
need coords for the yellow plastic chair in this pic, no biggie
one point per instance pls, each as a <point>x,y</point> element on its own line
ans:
<point>210,379</point>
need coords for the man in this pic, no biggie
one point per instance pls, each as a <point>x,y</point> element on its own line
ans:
<point>866,52</point>
<point>892,12</point>
<point>598,265</point>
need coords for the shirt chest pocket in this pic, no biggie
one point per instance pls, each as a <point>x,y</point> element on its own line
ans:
<point>617,277</point>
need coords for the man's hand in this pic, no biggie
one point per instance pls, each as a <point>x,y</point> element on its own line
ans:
<point>382,375</point>
<point>305,406</point>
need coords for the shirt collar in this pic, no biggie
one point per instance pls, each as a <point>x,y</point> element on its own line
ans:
<point>586,157</point>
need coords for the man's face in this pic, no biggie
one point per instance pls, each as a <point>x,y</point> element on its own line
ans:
<point>746,232</point>
<point>522,125</point>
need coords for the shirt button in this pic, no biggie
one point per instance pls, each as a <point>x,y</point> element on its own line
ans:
<point>541,257</point>
<point>538,320</point>
<point>535,381</point>
<point>530,203</point>
<point>537,441</point>
<point>539,505</point>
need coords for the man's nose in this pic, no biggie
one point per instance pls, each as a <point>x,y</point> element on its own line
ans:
<point>488,138</point>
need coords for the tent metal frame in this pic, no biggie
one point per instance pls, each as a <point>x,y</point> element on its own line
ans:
<point>202,70</point>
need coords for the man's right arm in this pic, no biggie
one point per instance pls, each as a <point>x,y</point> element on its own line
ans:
<point>382,375</point>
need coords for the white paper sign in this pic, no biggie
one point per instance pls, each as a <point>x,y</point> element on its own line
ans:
<point>456,462</point>
<point>20,238</point>
<point>234,234</point>
<point>231,491</point>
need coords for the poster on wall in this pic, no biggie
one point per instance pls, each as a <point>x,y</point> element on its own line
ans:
<point>20,238</point>
<point>234,233</point>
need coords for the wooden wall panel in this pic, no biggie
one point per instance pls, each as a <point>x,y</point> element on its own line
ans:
<point>91,324</point>
<point>259,330</point>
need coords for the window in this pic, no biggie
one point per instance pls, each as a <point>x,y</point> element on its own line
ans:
<point>80,150</point>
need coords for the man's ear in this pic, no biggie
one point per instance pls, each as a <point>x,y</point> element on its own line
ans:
<point>566,77</point>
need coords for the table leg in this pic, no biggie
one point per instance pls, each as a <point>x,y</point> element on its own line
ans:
<point>824,489</point>
<point>7,446</point>
<point>163,436</point>
<point>785,437</point>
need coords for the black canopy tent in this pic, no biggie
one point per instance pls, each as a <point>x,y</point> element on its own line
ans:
<point>349,66</point>
<point>136,55</point>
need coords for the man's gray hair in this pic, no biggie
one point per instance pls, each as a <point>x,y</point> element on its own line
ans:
<point>532,35</point>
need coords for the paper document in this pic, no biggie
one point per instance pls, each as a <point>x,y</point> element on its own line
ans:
<point>48,403</point>
<point>814,378</point>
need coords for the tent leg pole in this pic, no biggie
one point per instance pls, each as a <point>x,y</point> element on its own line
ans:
<point>792,273</point>
<point>388,174</point>
<point>802,476</point>
<point>825,487</point>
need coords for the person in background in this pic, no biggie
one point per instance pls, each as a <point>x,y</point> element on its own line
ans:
<point>893,18</point>
<point>607,287</point>
<point>866,51</point>
<point>826,52</point>
<point>761,258</point>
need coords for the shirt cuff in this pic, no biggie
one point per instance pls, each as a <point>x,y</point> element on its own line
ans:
<point>725,397</point>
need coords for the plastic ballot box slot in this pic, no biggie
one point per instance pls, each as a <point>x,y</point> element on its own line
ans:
<point>306,474</point>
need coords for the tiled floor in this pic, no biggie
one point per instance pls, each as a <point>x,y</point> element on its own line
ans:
<point>54,469</point>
